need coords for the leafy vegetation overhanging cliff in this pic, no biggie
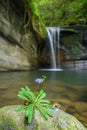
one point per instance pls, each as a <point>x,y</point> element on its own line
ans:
<point>63,12</point>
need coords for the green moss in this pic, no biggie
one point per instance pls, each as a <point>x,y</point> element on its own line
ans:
<point>8,119</point>
<point>63,12</point>
<point>12,120</point>
<point>7,124</point>
<point>39,27</point>
<point>36,22</point>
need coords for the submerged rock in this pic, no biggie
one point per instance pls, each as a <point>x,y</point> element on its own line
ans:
<point>10,119</point>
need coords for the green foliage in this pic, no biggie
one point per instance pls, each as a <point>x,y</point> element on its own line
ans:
<point>34,7</point>
<point>37,23</point>
<point>34,103</point>
<point>63,12</point>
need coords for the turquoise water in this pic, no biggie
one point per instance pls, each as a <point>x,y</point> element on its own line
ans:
<point>74,77</point>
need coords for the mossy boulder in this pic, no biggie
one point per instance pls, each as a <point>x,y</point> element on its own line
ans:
<point>10,119</point>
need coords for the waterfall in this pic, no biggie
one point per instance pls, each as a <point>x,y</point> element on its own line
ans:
<point>58,45</point>
<point>54,40</point>
<point>51,37</point>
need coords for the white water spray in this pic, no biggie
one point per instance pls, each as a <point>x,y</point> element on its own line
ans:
<point>54,40</point>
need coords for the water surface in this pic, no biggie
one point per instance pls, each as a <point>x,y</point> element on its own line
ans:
<point>59,84</point>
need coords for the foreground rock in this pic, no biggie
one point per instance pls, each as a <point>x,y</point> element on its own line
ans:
<point>12,120</point>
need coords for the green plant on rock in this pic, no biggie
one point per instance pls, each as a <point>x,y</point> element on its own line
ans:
<point>34,102</point>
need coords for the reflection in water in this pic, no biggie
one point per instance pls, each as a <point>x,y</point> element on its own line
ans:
<point>69,88</point>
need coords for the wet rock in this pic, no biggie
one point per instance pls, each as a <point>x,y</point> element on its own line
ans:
<point>77,109</point>
<point>10,119</point>
<point>18,46</point>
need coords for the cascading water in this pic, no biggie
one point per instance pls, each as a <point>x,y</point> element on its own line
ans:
<point>58,45</point>
<point>54,40</point>
<point>51,37</point>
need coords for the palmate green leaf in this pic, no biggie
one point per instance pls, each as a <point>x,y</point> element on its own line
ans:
<point>41,95</point>
<point>19,108</point>
<point>30,93</point>
<point>45,105</point>
<point>49,112</point>
<point>44,101</point>
<point>26,94</point>
<point>23,92</point>
<point>21,96</point>
<point>30,112</point>
<point>35,111</point>
<point>43,112</point>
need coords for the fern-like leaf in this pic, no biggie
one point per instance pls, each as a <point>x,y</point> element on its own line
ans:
<point>30,93</point>
<point>30,112</point>
<point>19,108</point>
<point>43,112</point>
<point>21,96</point>
<point>41,95</point>
<point>44,101</point>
